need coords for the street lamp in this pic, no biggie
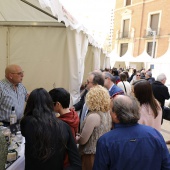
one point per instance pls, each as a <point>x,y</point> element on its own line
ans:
<point>153,43</point>
<point>152,33</point>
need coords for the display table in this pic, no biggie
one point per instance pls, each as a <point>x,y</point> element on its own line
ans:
<point>19,164</point>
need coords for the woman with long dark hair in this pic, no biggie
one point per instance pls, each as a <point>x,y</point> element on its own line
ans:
<point>150,112</point>
<point>47,138</point>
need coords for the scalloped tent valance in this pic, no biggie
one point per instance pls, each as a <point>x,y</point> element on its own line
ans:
<point>144,57</point>
<point>164,59</point>
<point>92,17</point>
<point>127,57</point>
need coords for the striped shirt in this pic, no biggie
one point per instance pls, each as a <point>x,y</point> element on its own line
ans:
<point>10,97</point>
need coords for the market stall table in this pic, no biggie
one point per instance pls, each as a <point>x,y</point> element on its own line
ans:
<point>19,164</point>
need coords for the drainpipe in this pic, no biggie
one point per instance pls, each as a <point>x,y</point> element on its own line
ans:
<point>141,26</point>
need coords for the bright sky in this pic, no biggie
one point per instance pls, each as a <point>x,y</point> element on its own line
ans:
<point>91,16</point>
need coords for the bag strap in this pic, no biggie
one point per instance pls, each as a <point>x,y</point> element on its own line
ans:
<point>124,87</point>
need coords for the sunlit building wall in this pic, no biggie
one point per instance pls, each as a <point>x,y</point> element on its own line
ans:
<point>136,22</point>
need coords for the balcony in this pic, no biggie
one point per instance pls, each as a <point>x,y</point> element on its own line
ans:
<point>125,35</point>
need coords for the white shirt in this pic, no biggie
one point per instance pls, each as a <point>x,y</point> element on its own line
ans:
<point>127,85</point>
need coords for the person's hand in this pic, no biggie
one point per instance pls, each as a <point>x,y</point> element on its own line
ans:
<point>73,108</point>
<point>27,96</point>
<point>168,142</point>
<point>57,115</point>
<point>77,137</point>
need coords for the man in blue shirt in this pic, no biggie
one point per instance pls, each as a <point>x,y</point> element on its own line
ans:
<point>110,84</point>
<point>129,145</point>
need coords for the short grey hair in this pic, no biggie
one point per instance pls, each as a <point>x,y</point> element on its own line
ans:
<point>161,77</point>
<point>109,75</point>
<point>126,108</point>
<point>98,78</point>
<point>149,73</point>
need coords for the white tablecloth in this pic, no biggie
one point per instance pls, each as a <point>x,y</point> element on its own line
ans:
<point>19,164</point>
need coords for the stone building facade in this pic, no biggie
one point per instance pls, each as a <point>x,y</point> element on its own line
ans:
<point>141,25</point>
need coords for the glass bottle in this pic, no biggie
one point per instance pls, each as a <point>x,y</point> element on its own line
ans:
<point>13,116</point>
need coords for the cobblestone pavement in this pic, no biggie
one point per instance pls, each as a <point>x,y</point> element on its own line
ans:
<point>165,131</point>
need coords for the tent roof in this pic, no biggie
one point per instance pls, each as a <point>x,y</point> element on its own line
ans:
<point>144,57</point>
<point>113,54</point>
<point>94,18</point>
<point>126,57</point>
<point>17,12</point>
<point>164,59</point>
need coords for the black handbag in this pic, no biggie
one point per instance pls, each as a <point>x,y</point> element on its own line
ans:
<point>166,113</point>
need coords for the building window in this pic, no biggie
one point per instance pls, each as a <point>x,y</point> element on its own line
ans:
<point>149,49</point>
<point>123,49</point>
<point>125,28</point>
<point>127,2</point>
<point>154,21</point>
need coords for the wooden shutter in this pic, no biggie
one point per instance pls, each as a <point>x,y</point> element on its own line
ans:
<point>128,2</point>
<point>154,22</point>
<point>125,28</point>
<point>123,49</point>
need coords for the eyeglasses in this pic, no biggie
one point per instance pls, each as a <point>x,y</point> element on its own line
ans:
<point>137,75</point>
<point>19,73</point>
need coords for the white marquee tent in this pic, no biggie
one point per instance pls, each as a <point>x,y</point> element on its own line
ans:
<point>95,59</point>
<point>51,54</point>
<point>143,60</point>
<point>113,57</point>
<point>143,57</point>
<point>95,18</point>
<point>162,65</point>
<point>164,59</point>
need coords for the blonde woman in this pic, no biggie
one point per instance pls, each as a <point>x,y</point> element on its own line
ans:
<point>97,122</point>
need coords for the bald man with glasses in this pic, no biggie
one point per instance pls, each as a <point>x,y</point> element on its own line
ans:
<point>12,93</point>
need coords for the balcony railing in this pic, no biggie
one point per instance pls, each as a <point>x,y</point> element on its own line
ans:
<point>124,35</point>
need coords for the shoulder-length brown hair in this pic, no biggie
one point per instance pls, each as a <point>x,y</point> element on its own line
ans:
<point>143,92</point>
<point>123,77</point>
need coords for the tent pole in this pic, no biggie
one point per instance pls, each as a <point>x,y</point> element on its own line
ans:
<point>28,3</point>
<point>7,47</point>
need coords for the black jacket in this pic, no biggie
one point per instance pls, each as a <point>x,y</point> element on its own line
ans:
<point>151,80</point>
<point>79,105</point>
<point>160,92</point>
<point>56,161</point>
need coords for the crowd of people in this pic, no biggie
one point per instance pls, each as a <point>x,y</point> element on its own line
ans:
<point>118,125</point>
